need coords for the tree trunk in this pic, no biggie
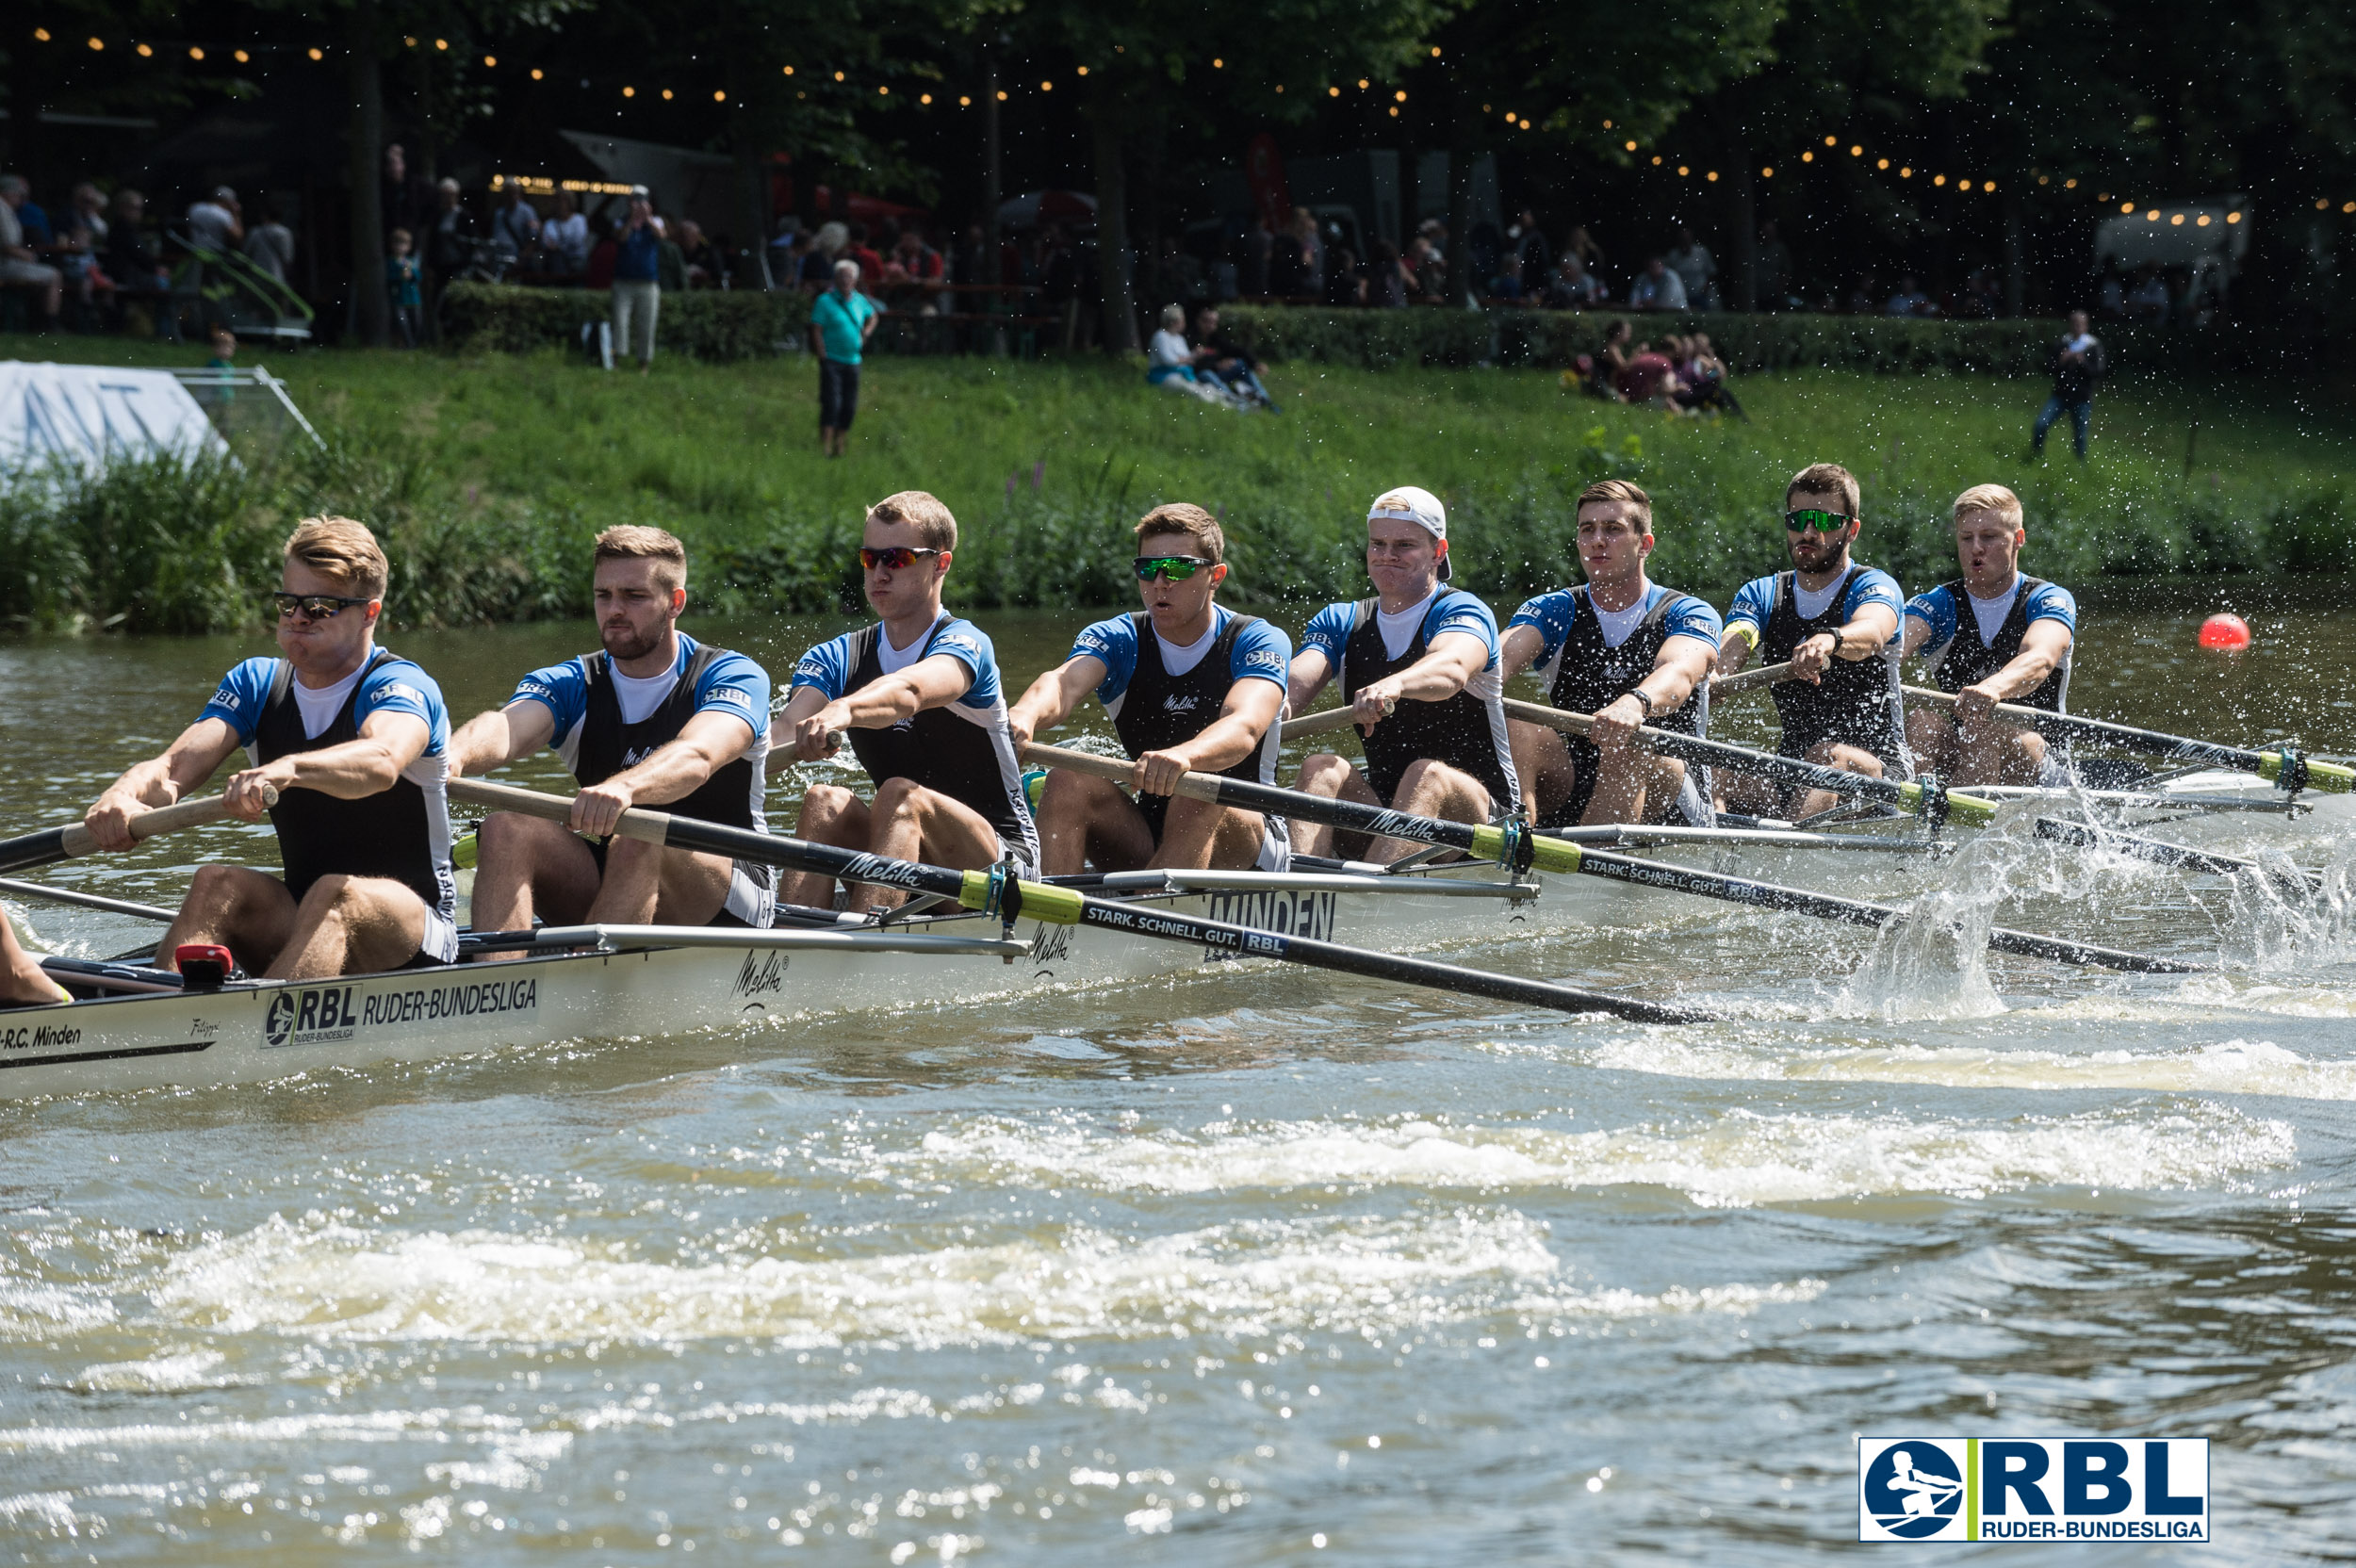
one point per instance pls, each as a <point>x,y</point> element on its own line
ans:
<point>2015,268</point>
<point>366,88</point>
<point>1743,293</point>
<point>1115,266</point>
<point>1462,287</point>
<point>1410,198</point>
<point>994,192</point>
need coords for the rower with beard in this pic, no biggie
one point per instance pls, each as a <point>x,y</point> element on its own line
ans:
<point>347,743</point>
<point>1419,663</point>
<point>1836,622</point>
<point>1190,686</point>
<point>1625,649</point>
<point>2014,646</point>
<point>654,718</point>
<point>917,694</point>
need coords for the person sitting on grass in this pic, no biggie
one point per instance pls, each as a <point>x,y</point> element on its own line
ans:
<point>1169,363</point>
<point>1228,362</point>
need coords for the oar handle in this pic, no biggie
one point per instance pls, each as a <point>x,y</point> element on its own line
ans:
<point>652,827</point>
<point>1323,723</point>
<point>1194,786</point>
<point>1766,674</point>
<point>2326,777</point>
<point>782,758</point>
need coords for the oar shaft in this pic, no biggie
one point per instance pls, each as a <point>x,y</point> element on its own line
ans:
<point>86,901</point>
<point>1785,770</point>
<point>71,841</point>
<point>1743,681</point>
<point>2160,852</point>
<point>2329,777</point>
<point>1061,905</point>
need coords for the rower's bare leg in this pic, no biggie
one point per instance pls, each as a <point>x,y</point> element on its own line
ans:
<point>645,883</point>
<point>526,867</point>
<point>1747,793</point>
<point>1082,817</point>
<point>1998,754</point>
<point>912,823</point>
<point>831,815</point>
<point>1199,836</point>
<point>1835,754</point>
<point>1626,779</point>
<point>22,982</point>
<point>250,914</point>
<point>1931,736</point>
<point>351,925</point>
<point>1325,774</point>
<point>1543,761</point>
<point>1429,788</point>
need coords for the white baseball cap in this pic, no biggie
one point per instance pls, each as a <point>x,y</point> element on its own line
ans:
<point>1409,504</point>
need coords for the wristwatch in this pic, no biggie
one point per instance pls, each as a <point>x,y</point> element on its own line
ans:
<point>1639,694</point>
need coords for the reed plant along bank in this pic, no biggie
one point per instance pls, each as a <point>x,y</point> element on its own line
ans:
<point>487,475</point>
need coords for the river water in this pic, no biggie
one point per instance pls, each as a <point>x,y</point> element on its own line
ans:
<point>1245,1267</point>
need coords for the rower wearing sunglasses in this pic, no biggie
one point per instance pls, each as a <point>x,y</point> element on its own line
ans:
<point>1419,662</point>
<point>1837,623</point>
<point>918,696</point>
<point>653,718</point>
<point>1625,649</point>
<point>347,746</point>
<point>1190,686</point>
<point>2014,645</point>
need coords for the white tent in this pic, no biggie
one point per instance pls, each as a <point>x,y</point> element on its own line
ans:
<point>86,413</point>
<point>2195,235</point>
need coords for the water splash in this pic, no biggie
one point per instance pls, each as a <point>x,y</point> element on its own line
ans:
<point>1933,964</point>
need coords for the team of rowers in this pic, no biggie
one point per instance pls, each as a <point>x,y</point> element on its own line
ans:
<point>349,746</point>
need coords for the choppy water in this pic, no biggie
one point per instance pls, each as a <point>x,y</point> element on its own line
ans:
<point>1238,1269</point>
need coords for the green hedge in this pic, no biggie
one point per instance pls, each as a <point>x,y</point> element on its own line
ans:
<point>707,323</point>
<point>1381,339</point>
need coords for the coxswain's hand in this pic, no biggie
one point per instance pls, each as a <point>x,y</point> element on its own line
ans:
<point>1159,773</point>
<point>1376,702</point>
<point>253,792</point>
<point>597,809</point>
<point>109,818</point>
<point>1812,657</point>
<point>1617,723</point>
<point>814,737</point>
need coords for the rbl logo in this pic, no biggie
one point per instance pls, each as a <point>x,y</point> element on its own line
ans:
<point>2032,1489</point>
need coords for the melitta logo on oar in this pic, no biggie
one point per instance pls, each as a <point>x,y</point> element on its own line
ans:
<point>2032,1489</point>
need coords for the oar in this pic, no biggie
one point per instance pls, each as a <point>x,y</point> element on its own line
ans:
<point>71,841</point>
<point>1550,853</point>
<point>1766,674</point>
<point>991,893</point>
<point>2291,769</point>
<point>1929,801</point>
<point>2160,852</point>
<point>86,901</point>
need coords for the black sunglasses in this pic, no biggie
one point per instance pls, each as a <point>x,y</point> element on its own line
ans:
<point>898,557</point>
<point>319,607</point>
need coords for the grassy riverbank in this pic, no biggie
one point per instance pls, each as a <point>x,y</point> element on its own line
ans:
<point>488,474</point>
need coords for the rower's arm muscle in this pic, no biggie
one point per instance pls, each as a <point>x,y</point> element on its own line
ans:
<point>1306,677</point>
<point>1864,637</point>
<point>356,769</point>
<point>1915,633</point>
<point>933,682</point>
<point>1683,664</point>
<point>186,763</point>
<point>2043,646</point>
<point>492,740</point>
<point>1734,649</point>
<point>1520,649</point>
<point>1454,658</point>
<point>676,769</point>
<point>1244,719</point>
<point>1054,696</point>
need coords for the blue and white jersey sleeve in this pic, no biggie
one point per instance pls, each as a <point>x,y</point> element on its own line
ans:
<point>969,646</point>
<point>2050,601</point>
<point>562,690</point>
<point>1689,616</point>
<point>243,690</point>
<point>1329,634</point>
<point>1936,608</point>
<point>826,668</point>
<point>1871,585</point>
<point>1457,612</point>
<point>1114,645</point>
<point>731,684</point>
<point>1752,604</point>
<point>398,686</point>
<point>1550,616</point>
<point>1261,652</point>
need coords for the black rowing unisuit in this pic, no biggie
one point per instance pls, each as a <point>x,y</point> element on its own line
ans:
<point>1159,709</point>
<point>1858,702</point>
<point>1464,731</point>
<point>1590,675</point>
<point>1970,660</point>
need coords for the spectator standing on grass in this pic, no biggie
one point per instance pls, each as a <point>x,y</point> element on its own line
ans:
<point>1774,265</point>
<point>401,196</point>
<point>1533,257</point>
<point>1657,287</point>
<point>515,227</point>
<point>133,260</point>
<point>84,236</point>
<point>1696,268</point>
<point>2077,364</point>
<point>841,321</point>
<point>217,222</point>
<point>637,292</point>
<point>404,290</point>
<point>705,267</point>
<point>598,274</point>
<point>1573,288</point>
<point>1387,283</point>
<point>564,239</point>
<point>18,267</point>
<point>269,244</point>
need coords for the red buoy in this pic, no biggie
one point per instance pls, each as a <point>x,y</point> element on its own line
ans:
<point>2229,633</point>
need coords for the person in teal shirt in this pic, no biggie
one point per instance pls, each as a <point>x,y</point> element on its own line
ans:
<point>840,322</point>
